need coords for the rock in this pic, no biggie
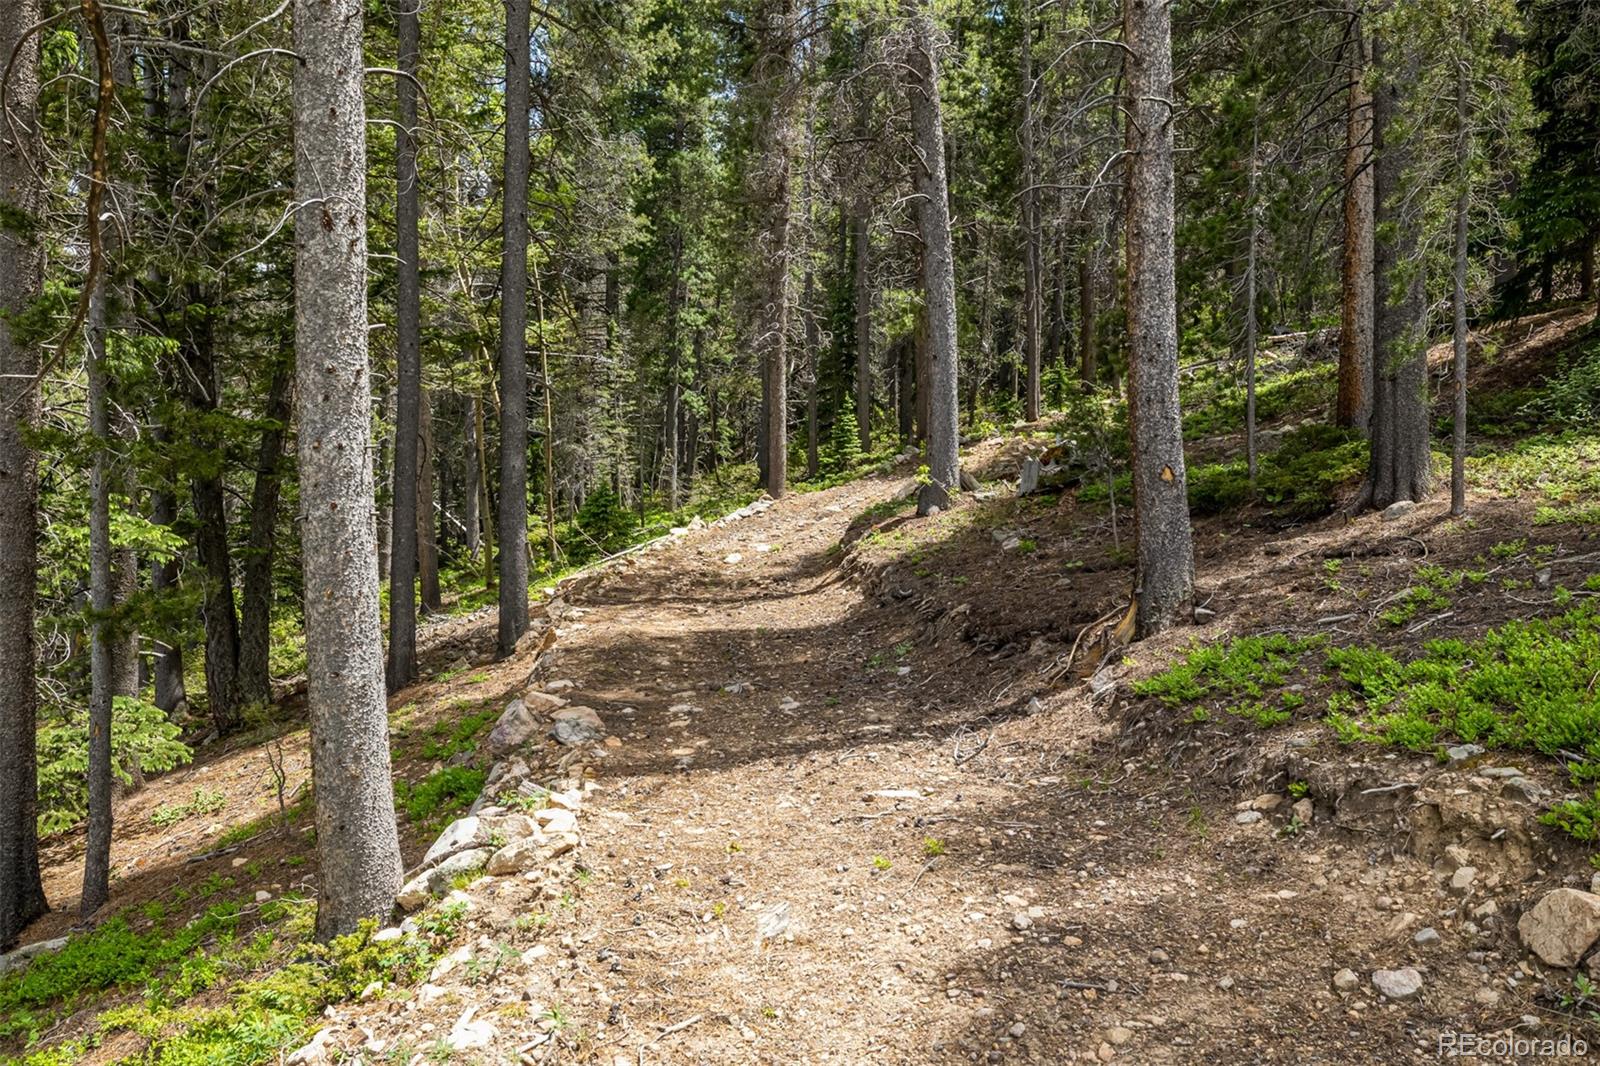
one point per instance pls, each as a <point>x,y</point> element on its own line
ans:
<point>1020,921</point>
<point>1267,802</point>
<point>1461,880</point>
<point>574,733</point>
<point>262,895</point>
<point>577,725</point>
<point>1426,937</point>
<point>1562,926</point>
<point>509,827</point>
<point>516,727</point>
<point>557,820</point>
<point>1304,811</point>
<point>467,1034</point>
<point>1462,752</point>
<point>1158,957</point>
<point>732,557</point>
<point>516,857</point>
<point>773,922</point>
<point>1117,1036</point>
<point>1346,980</point>
<point>1486,997</point>
<point>1105,1052</point>
<point>1398,509</point>
<point>19,958</point>
<point>543,702</point>
<point>387,934</point>
<point>568,799</point>
<point>1247,817</point>
<point>560,685</point>
<point>313,1053</point>
<point>1398,985</point>
<point>461,833</point>
<point>430,883</point>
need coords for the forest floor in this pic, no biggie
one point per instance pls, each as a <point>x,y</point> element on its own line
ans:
<point>870,797</point>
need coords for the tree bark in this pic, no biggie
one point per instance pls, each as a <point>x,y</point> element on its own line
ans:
<point>921,77</point>
<point>1458,450</point>
<point>470,511</point>
<point>862,268</point>
<point>102,605</point>
<point>1250,325</point>
<point>773,82</point>
<point>1031,253</point>
<point>1088,356</point>
<point>427,513</point>
<point>358,850</point>
<point>513,517</point>
<point>1398,430</point>
<point>1164,546</point>
<point>404,519</point>
<point>255,620</point>
<point>1353,407</point>
<point>168,659</point>
<point>21,278</point>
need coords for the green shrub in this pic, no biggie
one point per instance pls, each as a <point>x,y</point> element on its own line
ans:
<point>443,791</point>
<point>141,736</point>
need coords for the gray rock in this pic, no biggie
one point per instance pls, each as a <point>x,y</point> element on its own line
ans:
<point>1426,937</point>
<point>430,883</point>
<point>543,702</point>
<point>1304,811</point>
<point>516,857</point>
<point>458,834</point>
<point>1462,752</point>
<point>1247,817</point>
<point>516,727</point>
<point>19,958</point>
<point>1398,509</point>
<point>1398,985</point>
<point>1461,881</point>
<point>1346,980</point>
<point>1562,926</point>
<point>573,733</point>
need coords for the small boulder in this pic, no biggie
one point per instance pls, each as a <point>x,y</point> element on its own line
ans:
<point>1562,926</point>
<point>543,702</point>
<point>423,887</point>
<point>19,958</point>
<point>1346,980</point>
<point>1398,509</point>
<point>516,727</point>
<point>1461,881</point>
<point>557,820</point>
<point>1398,985</point>
<point>461,833</point>
<point>516,857</point>
<point>577,725</point>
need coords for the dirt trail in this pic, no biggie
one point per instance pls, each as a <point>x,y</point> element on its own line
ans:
<point>956,889</point>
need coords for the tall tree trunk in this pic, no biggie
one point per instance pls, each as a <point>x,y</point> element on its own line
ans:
<point>1250,325</point>
<point>21,277</point>
<point>401,665</point>
<point>1164,546</point>
<point>255,621</point>
<point>473,536</point>
<point>862,244</point>
<point>358,849</point>
<point>168,658</point>
<point>102,622</point>
<point>513,523</point>
<point>1354,405</point>
<point>1458,450</point>
<point>921,77</point>
<point>1088,356</point>
<point>1031,253</point>
<point>773,82</point>
<point>427,513</point>
<point>905,375</point>
<point>813,346</point>
<point>1398,431</point>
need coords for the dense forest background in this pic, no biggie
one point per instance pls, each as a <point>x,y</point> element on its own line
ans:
<point>699,267</point>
